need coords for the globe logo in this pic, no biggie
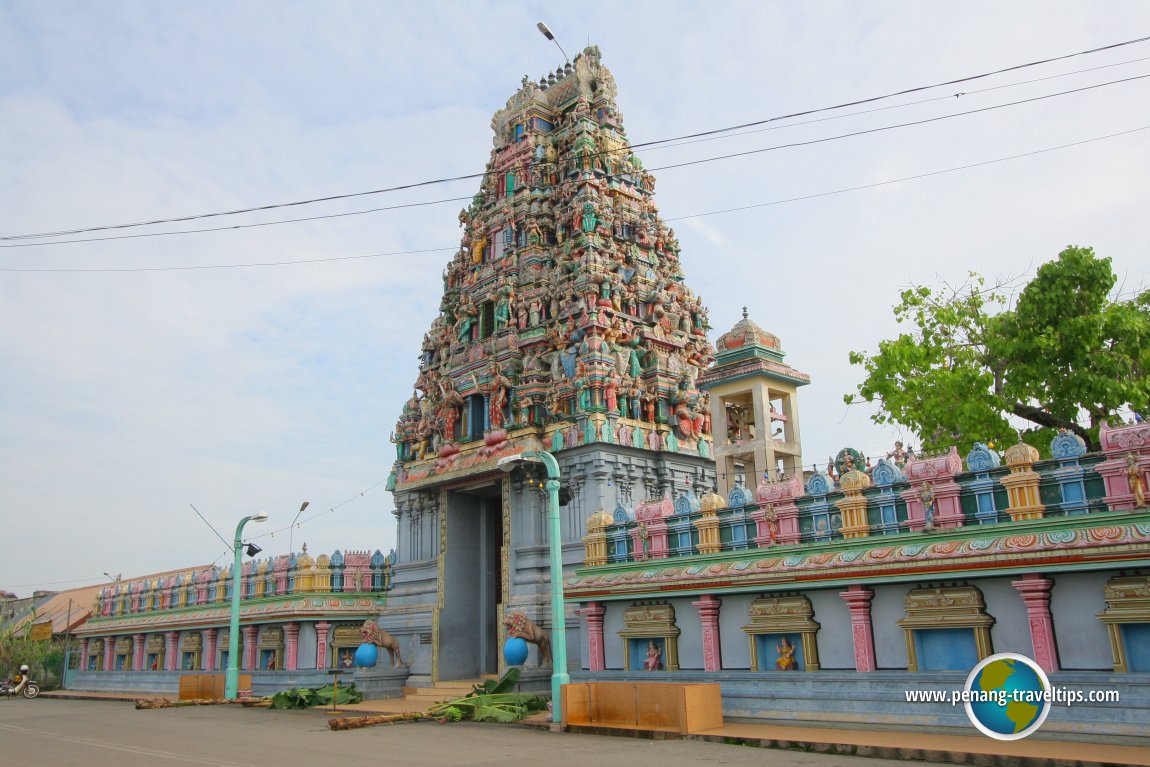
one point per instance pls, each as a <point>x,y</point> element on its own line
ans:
<point>1007,696</point>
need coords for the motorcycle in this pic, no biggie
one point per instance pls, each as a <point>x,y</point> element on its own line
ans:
<point>26,687</point>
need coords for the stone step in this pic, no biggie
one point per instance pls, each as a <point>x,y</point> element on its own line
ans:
<point>441,690</point>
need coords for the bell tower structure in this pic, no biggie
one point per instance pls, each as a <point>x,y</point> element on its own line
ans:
<point>754,408</point>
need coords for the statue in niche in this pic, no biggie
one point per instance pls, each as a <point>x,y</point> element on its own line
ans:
<point>610,391</point>
<point>588,220</point>
<point>503,304</point>
<point>1135,481</point>
<point>634,395</point>
<point>644,540</point>
<point>654,659</point>
<point>926,495</point>
<point>465,318</point>
<point>690,420</point>
<point>772,518</point>
<point>519,625</point>
<point>496,391</point>
<point>786,659</point>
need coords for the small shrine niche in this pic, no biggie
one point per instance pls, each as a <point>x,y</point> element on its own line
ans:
<point>222,641</point>
<point>947,628</point>
<point>783,634</point>
<point>271,649</point>
<point>1127,619</point>
<point>153,653</point>
<point>122,654</point>
<point>650,637</point>
<point>190,652</point>
<point>344,641</point>
<point>95,659</point>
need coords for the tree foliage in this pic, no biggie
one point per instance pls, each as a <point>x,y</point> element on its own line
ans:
<point>1064,353</point>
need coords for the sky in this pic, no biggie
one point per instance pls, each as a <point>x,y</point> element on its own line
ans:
<point>128,396</point>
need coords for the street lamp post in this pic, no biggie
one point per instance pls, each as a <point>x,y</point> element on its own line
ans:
<point>559,675</point>
<point>232,678</point>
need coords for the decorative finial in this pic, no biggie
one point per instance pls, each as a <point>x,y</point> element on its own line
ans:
<point>305,548</point>
<point>744,312</point>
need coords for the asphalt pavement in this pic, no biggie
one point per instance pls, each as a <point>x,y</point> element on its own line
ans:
<point>66,733</point>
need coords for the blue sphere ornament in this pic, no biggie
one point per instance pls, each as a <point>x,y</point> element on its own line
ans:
<point>366,655</point>
<point>515,651</point>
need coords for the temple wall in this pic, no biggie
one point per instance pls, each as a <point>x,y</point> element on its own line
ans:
<point>732,618</point>
<point>889,641</point>
<point>305,658</point>
<point>834,621</point>
<point>1082,640</point>
<point>1011,630</point>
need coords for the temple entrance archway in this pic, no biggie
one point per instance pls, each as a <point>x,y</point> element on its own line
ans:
<point>473,576</point>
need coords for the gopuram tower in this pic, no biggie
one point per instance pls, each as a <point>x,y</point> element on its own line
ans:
<point>565,325</point>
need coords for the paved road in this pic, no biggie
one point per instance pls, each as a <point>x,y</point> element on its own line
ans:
<point>62,733</point>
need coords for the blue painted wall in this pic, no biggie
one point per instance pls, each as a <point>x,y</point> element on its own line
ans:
<point>945,649</point>
<point>1136,638</point>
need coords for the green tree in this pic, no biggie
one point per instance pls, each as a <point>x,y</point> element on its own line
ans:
<point>1065,353</point>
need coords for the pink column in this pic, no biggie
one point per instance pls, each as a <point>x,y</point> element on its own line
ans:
<point>209,649</point>
<point>109,648</point>
<point>1035,591</point>
<point>138,652</point>
<point>593,613</point>
<point>708,607</point>
<point>321,630</point>
<point>249,651</point>
<point>172,650</point>
<point>83,654</point>
<point>858,599</point>
<point>291,645</point>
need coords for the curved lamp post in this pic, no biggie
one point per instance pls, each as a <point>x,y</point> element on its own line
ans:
<point>559,675</point>
<point>232,678</point>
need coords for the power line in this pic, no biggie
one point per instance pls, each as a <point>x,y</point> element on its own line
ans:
<point>237,226</point>
<point>656,169</point>
<point>242,266</point>
<point>313,517</point>
<point>908,104</point>
<point>924,121</point>
<point>910,178</point>
<point>450,179</point>
<point>676,218</point>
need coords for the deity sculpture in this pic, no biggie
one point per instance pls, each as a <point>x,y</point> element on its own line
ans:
<point>654,659</point>
<point>497,397</point>
<point>926,496</point>
<point>1135,481</point>
<point>786,659</point>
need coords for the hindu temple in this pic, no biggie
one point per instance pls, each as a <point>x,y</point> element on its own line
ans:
<point>695,545</point>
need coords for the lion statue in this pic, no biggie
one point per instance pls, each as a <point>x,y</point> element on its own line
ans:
<point>372,633</point>
<point>519,625</point>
